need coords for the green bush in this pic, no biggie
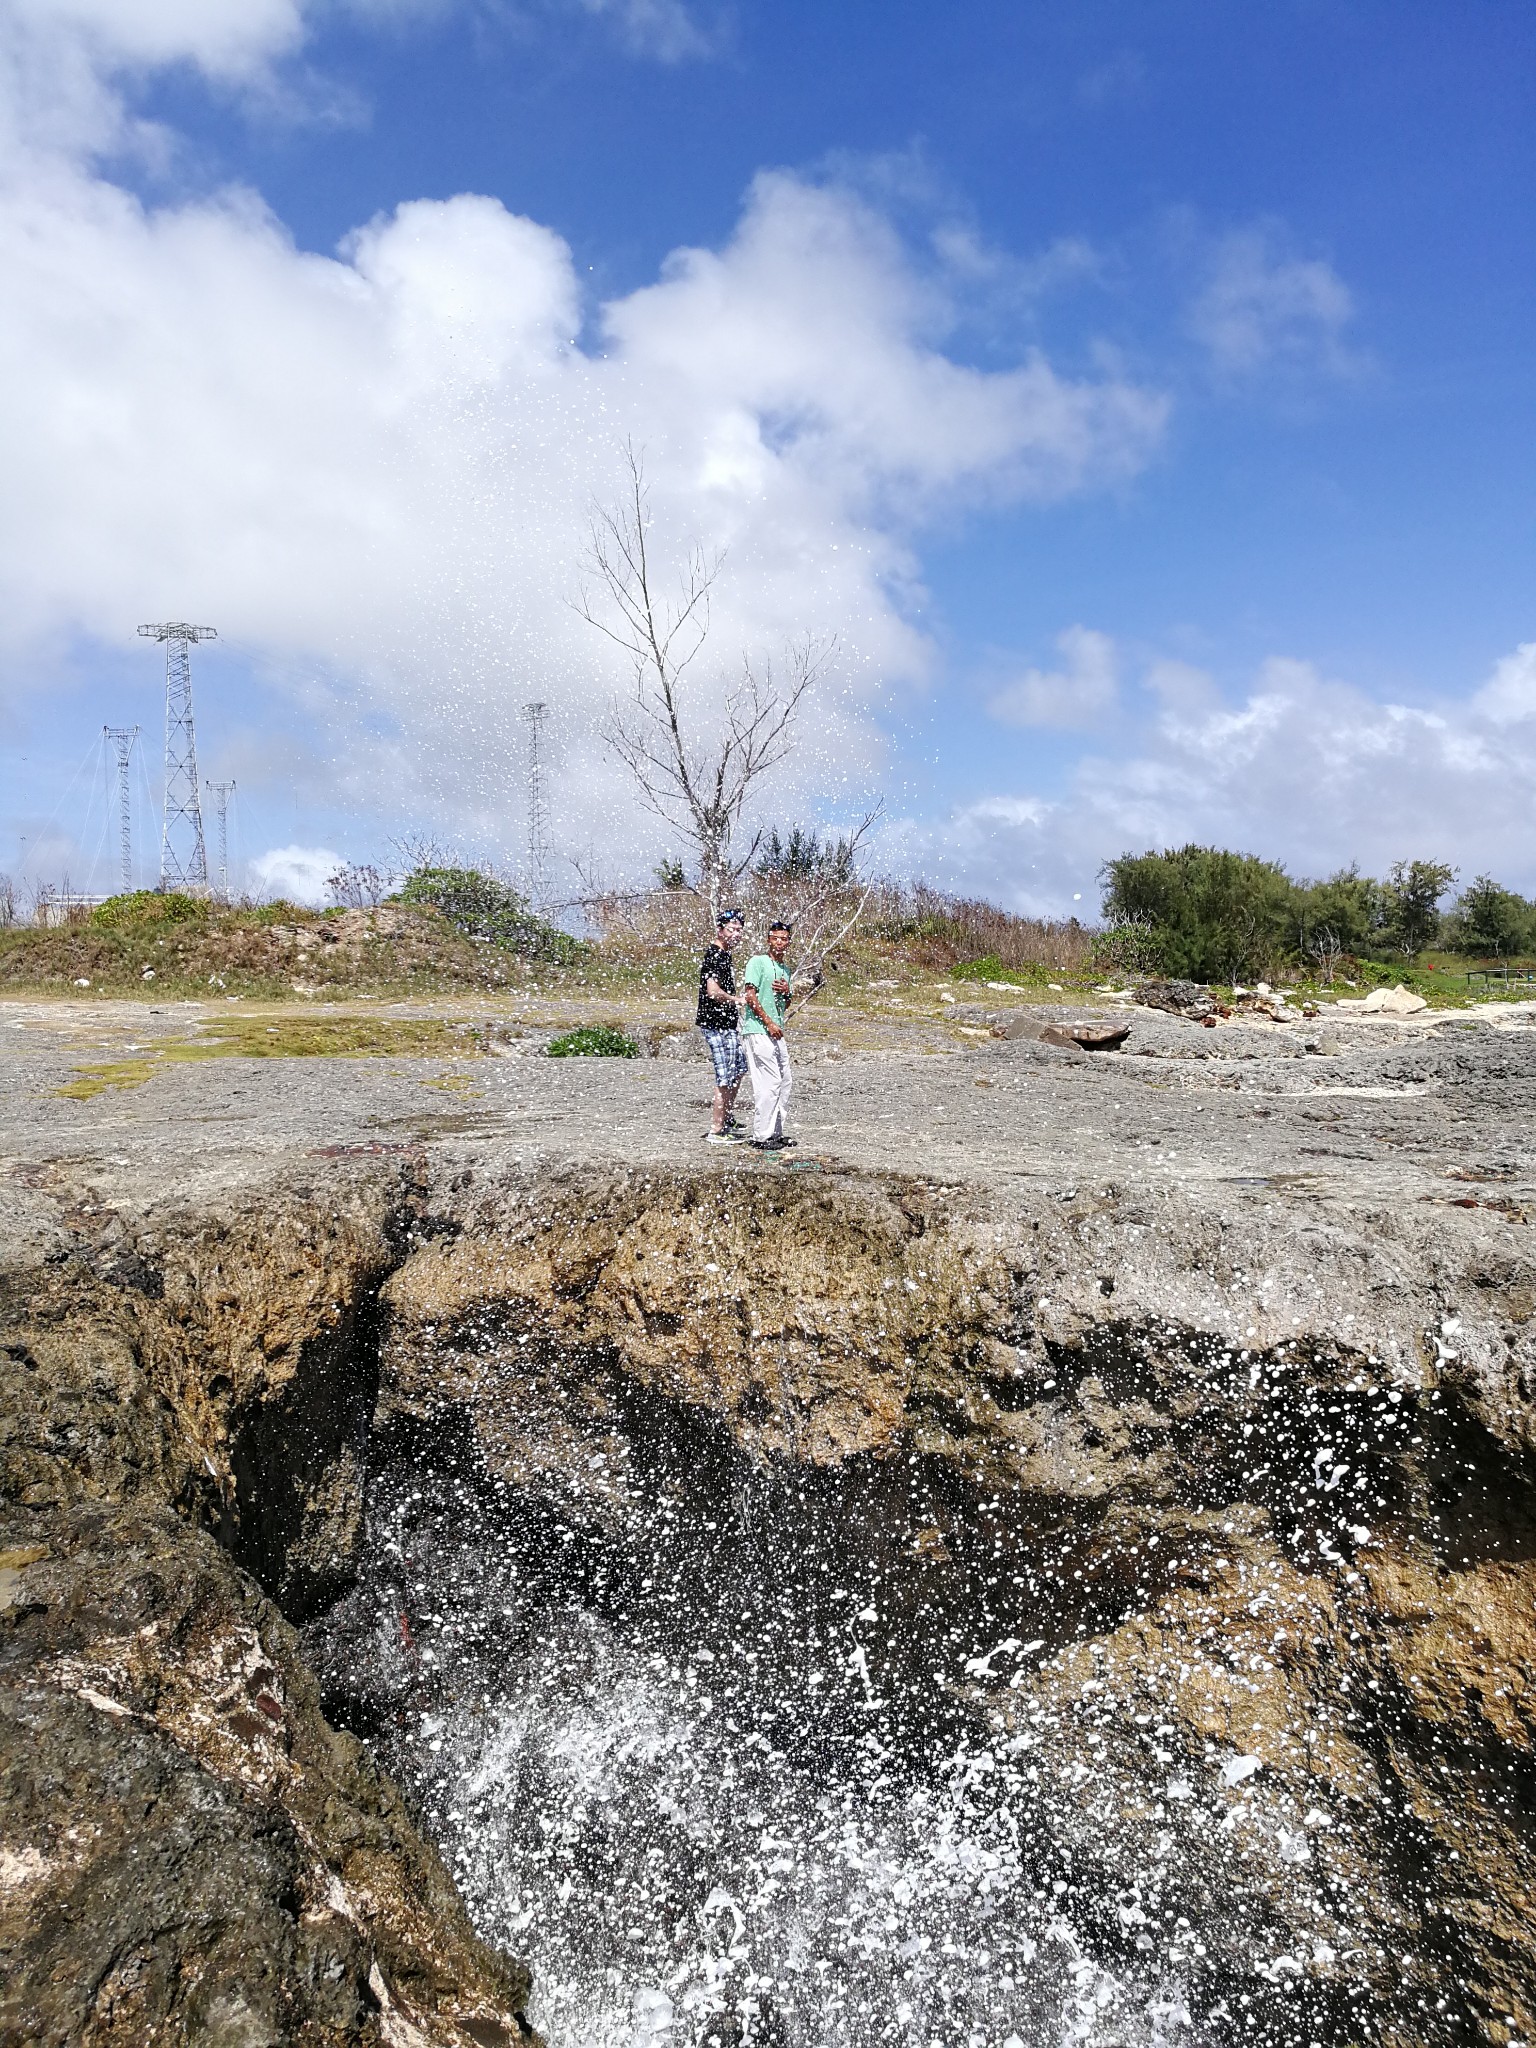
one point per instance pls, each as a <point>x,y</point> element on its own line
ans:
<point>990,968</point>
<point>593,1041</point>
<point>148,910</point>
<point>480,907</point>
<point>1218,916</point>
<point>280,911</point>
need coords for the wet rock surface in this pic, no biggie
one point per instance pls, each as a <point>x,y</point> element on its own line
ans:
<point>1056,1562</point>
<point>188,1850</point>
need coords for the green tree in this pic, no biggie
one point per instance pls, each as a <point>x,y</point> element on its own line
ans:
<point>805,857</point>
<point>1348,908</point>
<point>1489,919</point>
<point>1411,902</point>
<point>1217,916</point>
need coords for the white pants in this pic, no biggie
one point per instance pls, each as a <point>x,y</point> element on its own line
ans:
<point>768,1064</point>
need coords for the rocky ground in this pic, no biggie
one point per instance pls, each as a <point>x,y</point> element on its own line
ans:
<point>1224,1340</point>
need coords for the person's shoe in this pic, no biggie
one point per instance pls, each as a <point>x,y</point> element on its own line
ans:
<point>721,1138</point>
<point>767,1144</point>
<point>787,1141</point>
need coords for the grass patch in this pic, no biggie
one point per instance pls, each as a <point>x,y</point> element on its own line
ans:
<point>990,968</point>
<point>300,1038</point>
<point>453,1084</point>
<point>593,1041</point>
<point>289,1038</point>
<point>91,1081</point>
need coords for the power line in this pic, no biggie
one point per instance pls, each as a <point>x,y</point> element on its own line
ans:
<point>183,854</point>
<point>538,812</point>
<point>122,738</point>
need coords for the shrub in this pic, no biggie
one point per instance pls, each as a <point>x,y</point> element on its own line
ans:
<point>480,907</point>
<point>593,1041</point>
<point>279,911</point>
<point>992,968</point>
<point>1218,916</point>
<point>148,910</point>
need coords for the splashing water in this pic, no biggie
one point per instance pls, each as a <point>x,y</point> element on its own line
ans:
<point>679,1880</point>
<point>763,1758</point>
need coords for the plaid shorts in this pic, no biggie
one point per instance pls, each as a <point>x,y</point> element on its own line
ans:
<point>725,1051</point>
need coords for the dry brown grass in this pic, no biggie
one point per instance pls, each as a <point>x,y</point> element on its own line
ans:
<point>900,924</point>
<point>936,931</point>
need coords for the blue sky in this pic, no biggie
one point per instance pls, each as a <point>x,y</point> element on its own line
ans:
<point>1249,559</point>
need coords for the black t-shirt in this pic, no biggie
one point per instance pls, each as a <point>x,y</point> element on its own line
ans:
<point>716,1016</point>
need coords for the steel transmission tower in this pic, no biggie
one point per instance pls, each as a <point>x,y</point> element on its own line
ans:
<point>538,810</point>
<point>183,856</point>
<point>122,738</point>
<point>222,792</point>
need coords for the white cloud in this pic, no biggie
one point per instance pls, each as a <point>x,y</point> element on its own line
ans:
<point>665,30</point>
<point>297,874</point>
<point>224,38</point>
<point>1084,692</point>
<point>1180,687</point>
<point>372,472</point>
<point>1262,307</point>
<point>1508,698</point>
<point>1305,770</point>
<point>68,67</point>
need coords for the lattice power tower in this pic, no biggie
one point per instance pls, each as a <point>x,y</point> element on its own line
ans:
<point>222,792</point>
<point>538,808</point>
<point>122,738</point>
<point>183,855</point>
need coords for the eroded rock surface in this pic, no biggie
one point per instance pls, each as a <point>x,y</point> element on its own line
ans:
<point>188,1851</point>
<point>1168,1534</point>
<point>1275,1576</point>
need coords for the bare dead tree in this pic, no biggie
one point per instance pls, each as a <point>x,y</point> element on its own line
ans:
<point>358,886</point>
<point>1324,947</point>
<point>694,772</point>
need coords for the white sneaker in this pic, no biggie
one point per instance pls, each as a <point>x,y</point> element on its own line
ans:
<point>721,1138</point>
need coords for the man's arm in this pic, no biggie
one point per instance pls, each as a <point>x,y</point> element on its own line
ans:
<point>717,994</point>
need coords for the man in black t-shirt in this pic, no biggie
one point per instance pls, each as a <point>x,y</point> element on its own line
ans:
<point>718,1012</point>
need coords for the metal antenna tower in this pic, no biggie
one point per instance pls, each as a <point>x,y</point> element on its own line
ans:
<point>183,856</point>
<point>122,738</point>
<point>538,810</point>
<point>222,792</point>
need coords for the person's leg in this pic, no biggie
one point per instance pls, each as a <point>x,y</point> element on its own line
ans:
<point>725,1057</point>
<point>786,1083</point>
<point>739,1069</point>
<point>763,1066</point>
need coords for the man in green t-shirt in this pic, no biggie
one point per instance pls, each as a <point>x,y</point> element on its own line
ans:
<point>765,1004</point>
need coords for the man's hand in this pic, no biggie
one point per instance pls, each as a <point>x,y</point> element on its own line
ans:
<point>774,1031</point>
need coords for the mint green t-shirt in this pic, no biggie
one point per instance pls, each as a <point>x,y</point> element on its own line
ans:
<point>771,980</point>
